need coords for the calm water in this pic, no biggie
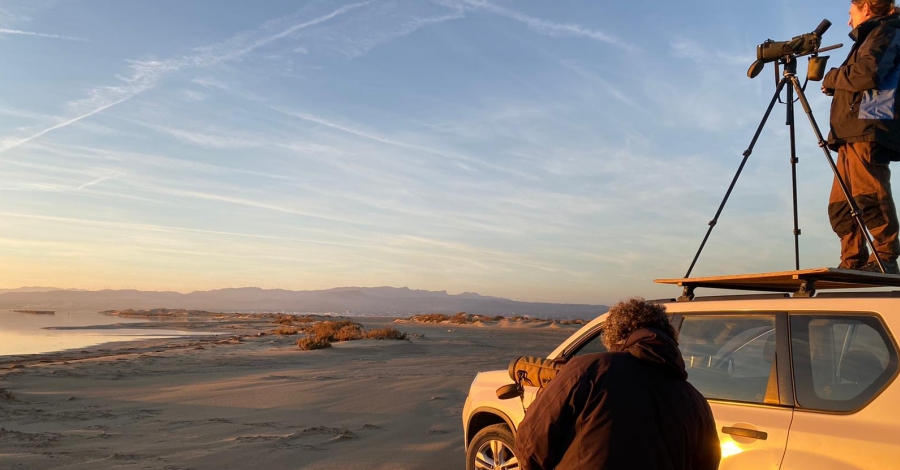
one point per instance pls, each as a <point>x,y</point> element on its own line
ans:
<point>25,333</point>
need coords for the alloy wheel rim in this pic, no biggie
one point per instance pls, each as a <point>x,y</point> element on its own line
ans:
<point>495,455</point>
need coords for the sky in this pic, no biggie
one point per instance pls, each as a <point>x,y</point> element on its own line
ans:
<point>565,151</point>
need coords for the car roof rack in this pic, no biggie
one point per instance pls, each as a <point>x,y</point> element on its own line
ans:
<point>800,283</point>
<point>711,298</point>
<point>887,294</point>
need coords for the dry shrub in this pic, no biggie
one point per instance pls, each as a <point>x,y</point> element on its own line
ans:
<point>430,318</point>
<point>307,319</point>
<point>349,333</point>
<point>343,330</point>
<point>287,330</point>
<point>285,319</point>
<point>460,318</point>
<point>308,344</point>
<point>386,333</point>
<point>323,333</point>
<point>476,317</point>
<point>282,319</point>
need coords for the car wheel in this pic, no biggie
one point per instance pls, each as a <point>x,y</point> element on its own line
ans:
<point>492,449</point>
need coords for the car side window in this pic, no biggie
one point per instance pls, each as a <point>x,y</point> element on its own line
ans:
<point>730,357</point>
<point>840,362</point>
<point>593,344</point>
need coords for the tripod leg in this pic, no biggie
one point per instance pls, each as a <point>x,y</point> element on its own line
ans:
<point>762,123</point>
<point>790,123</point>
<point>854,209</point>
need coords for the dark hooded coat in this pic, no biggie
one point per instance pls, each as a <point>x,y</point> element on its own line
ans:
<point>866,85</point>
<point>632,409</point>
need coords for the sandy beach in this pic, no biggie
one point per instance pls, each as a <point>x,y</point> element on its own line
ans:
<point>253,399</point>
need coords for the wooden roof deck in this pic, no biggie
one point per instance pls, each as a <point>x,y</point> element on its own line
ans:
<point>802,283</point>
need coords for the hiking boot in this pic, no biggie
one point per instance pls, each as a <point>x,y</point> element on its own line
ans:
<point>890,267</point>
<point>852,265</point>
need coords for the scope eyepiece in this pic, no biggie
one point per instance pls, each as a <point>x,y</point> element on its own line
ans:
<point>823,26</point>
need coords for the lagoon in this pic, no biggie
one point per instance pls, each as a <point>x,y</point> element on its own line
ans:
<point>29,333</point>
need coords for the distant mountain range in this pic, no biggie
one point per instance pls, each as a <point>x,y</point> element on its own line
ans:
<point>35,289</point>
<point>343,300</point>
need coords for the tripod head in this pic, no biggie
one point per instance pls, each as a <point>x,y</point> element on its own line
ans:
<point>787,52</point>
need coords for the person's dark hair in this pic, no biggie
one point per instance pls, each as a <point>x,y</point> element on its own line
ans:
<point>631,315</point>
<point>879,7</point>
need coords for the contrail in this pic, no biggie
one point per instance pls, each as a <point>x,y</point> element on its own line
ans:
<point>40,35</point>
<point>11,145</point>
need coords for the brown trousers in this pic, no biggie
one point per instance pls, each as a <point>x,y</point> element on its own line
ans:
<point>863,167</point>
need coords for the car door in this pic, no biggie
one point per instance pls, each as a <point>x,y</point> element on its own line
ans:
<point>846,413</point>
<point>740,363</point>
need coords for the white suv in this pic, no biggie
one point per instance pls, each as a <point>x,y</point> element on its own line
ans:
<point>794,383</point>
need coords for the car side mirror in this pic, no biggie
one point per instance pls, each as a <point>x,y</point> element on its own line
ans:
<point>510,391</point>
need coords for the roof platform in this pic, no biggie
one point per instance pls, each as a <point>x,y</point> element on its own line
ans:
<point>802,283</point>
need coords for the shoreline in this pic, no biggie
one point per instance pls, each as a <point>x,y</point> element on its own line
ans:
<point>242,325</point>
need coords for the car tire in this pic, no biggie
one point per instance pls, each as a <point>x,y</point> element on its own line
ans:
<point>492,449</point>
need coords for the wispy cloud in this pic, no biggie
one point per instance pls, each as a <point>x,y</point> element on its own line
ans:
<point>100,180</point>
<point>146,74</point>
<point>549,28</point>
<point>193,96</point>
<point>23,114</point>
<point>134,226</point>
<point>20,32</point>
<point>390,141</point>
<point>201,139</point>
<point>367,37</point>
<point>686,48</point>
<point>143,160</point>
<point>614,91</point>
<point>210,83</point>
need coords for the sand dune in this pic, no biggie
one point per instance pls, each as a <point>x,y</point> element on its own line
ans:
<point>255,401</point>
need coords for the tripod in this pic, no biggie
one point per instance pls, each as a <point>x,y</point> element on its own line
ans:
<point>790,77</point>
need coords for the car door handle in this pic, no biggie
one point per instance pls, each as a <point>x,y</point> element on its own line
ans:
<point>744,432</point>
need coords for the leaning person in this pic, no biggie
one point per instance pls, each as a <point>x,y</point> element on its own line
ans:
<point>630,408</point>
<point>865,131</point>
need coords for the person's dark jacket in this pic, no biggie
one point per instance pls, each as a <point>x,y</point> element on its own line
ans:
<point>632,409</point>
<point>864,107</point>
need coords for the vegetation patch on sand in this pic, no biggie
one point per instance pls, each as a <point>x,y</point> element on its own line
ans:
<point>159,313</point>
<point>315,331</point>
<point>308,344</point>
<point>281,318</point>
<point>463,318</point>
<point>321,333</point>
<point>287,330</point>
<point>285,319</point>
<point>460,318</point>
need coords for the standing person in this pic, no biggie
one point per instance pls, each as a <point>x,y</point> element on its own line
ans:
<point>865,131</point>
<point>630,408</point>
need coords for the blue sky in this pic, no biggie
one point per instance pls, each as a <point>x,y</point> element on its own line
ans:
<point>567,151</point>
